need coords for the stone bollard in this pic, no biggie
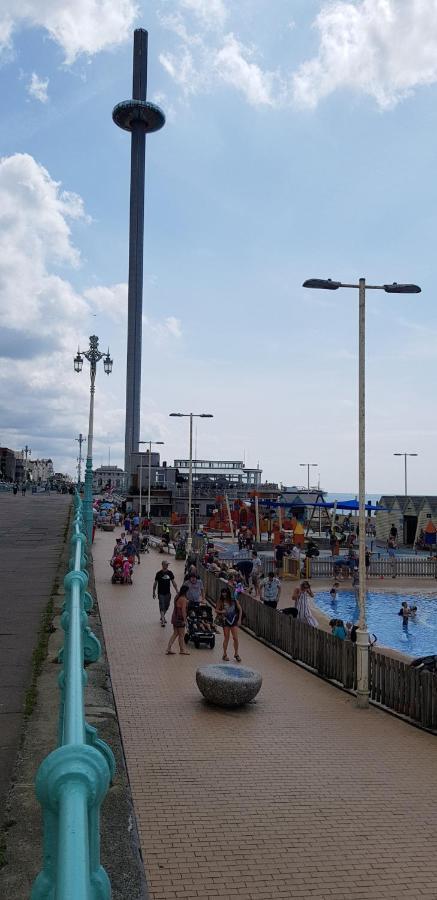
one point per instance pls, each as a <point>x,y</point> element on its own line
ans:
<point>225,685</point>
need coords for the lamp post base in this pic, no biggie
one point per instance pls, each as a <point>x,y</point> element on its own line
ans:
<point>362,668</point>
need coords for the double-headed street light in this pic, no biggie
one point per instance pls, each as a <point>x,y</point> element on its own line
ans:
<point>309,466</point>
<point>93,355</point>
<point>141,473</point>
<point>362,632</point>
<point>191,416</point>
<point>405,466</point>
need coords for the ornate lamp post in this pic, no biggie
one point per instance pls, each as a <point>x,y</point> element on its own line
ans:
<point>93,355</point>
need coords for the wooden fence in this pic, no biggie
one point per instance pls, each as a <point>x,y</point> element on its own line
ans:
<point>393,684</point>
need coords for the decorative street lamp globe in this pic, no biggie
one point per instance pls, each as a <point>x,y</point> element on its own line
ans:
<point>78,362</point>
<point>108,363</point>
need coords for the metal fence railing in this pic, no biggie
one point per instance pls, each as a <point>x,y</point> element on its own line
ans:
<point>73,780</point>
<point>393,684</point>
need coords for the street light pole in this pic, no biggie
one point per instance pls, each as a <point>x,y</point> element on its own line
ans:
<point>80,441</point>
<point>26,450</point>
<point>405,467</point>
<point>309,466</point>
<point>150,473</point>
<point>191,416</point>
<point>93,355</point>
<point>362,632</point>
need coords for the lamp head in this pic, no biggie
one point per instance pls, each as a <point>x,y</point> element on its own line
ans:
<point>402,288</point>
<point>326,284</point>
<point>78,362</point>
<point>107,363</point>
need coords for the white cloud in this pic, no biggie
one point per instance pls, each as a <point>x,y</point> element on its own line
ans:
<point>43,315</point>
<point>204,59</point>
<point>383,48</point>
<point>234,66</point>
<point>211,13</point>
<point>77,26</point>
<point>37,88</point>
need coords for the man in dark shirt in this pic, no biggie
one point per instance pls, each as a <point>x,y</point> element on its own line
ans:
<point>162,584</point>
<point>279,556</point>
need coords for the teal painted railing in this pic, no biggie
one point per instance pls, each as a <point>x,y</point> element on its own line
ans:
<point>73,780</point>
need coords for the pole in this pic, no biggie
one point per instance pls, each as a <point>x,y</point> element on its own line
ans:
<point>258,538</point>
<point>80,441</point>
<point>141,484</point>
<point>362,633</point>
<point>405,461</point>
<point>228,508</point>
<point>88,491</point>
<point>150,477</point>
<point>190,487</point>
<point>308,468</point>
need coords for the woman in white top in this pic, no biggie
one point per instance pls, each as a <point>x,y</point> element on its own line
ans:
<point>303,606</point>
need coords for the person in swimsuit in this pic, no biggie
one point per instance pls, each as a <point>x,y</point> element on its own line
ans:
<point>229,608</point>
<point>178,620</point>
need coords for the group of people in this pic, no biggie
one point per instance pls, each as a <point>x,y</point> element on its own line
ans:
<point>189,600</point>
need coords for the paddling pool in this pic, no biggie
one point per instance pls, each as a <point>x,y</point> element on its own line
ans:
<point>416,637</point>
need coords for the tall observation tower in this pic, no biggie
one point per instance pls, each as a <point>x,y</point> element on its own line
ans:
<point>139,117</point>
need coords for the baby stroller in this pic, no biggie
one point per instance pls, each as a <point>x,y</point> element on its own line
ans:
<point>144,546</point>
<point>200,626</point>
<point>117,569</point>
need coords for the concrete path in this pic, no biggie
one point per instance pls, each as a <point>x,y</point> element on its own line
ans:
<point>31,539</point>
<point>299,795</point>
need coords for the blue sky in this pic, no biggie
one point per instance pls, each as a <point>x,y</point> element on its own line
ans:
<point>300,141</point>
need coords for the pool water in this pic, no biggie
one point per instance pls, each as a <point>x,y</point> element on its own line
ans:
<point>417,636</point>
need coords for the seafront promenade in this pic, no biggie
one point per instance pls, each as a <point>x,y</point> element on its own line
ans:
<point>298,795</point>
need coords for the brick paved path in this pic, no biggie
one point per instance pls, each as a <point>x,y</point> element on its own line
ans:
<point>31,539</point>
<point>299,795</point>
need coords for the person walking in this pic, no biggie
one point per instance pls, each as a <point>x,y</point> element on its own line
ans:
<point>135,541</point>
<point>270,590</point>
<point>195,593</point>
<point>178,620</point>
<point>230,611</point>
<point>256,572</point>
<point>164,580</point>
<point>303,607</point>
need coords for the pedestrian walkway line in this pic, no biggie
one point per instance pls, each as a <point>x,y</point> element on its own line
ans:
<point>297,795</point>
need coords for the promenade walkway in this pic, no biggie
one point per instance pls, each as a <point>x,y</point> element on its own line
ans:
<point>31,540</point>
<point>299,795</point>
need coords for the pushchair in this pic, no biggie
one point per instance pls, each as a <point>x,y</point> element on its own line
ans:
<point>144,545</point>
<point>200,626</point>
<point>117,569</point>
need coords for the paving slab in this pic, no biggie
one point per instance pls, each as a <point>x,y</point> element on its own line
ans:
<point>31,539</point>
<point>299,794</point>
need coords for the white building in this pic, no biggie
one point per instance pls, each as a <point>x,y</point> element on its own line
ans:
<point>40,470</point>
<point>107,478</point>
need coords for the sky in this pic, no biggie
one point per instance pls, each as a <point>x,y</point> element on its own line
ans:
<point>300,142</point>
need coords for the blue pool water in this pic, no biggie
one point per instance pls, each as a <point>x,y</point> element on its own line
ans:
<point>418,637</point>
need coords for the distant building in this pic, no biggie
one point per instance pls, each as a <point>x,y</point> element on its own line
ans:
<point>7,464</point>
<point>40,470</point>
<point>107,478</point>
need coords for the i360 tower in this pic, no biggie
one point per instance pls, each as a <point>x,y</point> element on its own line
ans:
<point>139,117</point>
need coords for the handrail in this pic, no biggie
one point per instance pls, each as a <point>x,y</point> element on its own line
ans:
<point>73,780</point>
